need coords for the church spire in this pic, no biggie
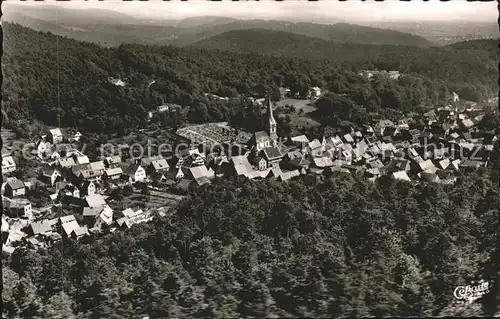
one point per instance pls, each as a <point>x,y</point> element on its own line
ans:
<point>270,110</point>
<point>272,122</point>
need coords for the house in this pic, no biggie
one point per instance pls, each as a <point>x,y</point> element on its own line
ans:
<point>322,162</point>
<point>98,167</point>
<point>97,217</point>
<point>18,208</point>
<point>113,174</point>
<point>288,175</point>
<point>399,164</point>
<point>314,92</point>
<point>79,232</point>
<point>199,172</point>
<point>372,172</point>
<point>429,177</point>
<point>94,200</point>
<point>42,147</point>
<point>298,162</point>
<point>348,138</point>
<point>239,165</point>
<point>375,164</point>
<point>68,189</point>
<point>334,142</point>
<point>174,173</point>
<point>87,188</point>
<point>466,124</point>
<point>427,166</point>
<point>381,125</point>
<point>8,164</point>
<point>443,164</point>
<point>77,136</point>
<point>371,140</point>
<point>112,161</point>
<point>272,155</point>
<point>135,173</point>
<point>471,165</point>
<point>134,218</point>
<point>455,165</point>
<point>55,136</point>
<point>300,139</point>
<point>90,175</point>
<point>260,140</point>
<point>68,224</point>
<point>158,166</point>
<point>66,163</point>
<point>81,158</point>
<point>314,147</point>
<point>412,135</point>
<point>50,175</point>
<point>15,188</point>
<point>360,149</point>
<point>41,227</point>
<point>403,124</point>
<point>146,161</point>
<point>401,175</point>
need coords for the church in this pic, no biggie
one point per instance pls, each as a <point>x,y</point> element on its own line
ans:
<point>265,149</point>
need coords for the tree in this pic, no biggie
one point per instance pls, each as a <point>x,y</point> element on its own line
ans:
<point>58,306</point>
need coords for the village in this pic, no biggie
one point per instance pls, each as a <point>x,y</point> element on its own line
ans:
<point>71,194</point>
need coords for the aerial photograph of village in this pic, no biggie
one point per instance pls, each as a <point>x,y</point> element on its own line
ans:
<point>250,160</point>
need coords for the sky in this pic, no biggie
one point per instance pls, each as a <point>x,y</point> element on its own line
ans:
<point>321,11</point>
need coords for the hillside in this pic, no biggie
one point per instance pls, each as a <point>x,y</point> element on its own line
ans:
<point>340,32</point>
<point>61,81</point>
<point>112,28</point>
<point>403,58</point>
<point>334,247</point>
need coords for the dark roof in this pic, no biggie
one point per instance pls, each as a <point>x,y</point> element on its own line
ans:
<point>261,137</point>
<point>131,169</point>
<point>272,153</point>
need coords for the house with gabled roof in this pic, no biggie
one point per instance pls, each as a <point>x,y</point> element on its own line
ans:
<point>315,147</point>
<point>401,175</point>
<point>41,227</point>
<point>8,164</point>
<point>158,166</point>
<point>112,174</point>
<point>50,175</point>
<point>287,175</point>
<point>239,165</point>
<point>15,188</point>
<point>272,155</point>
<point>66,163</point>
<point>94,200</point>
<point>112,161</point>
<point>79,232</point>
<point>55,136</point>
<point>135,173</point>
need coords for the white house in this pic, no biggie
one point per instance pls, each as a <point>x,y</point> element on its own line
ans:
<point>56,136</point>
<point>136,173</point>
<point>8,164</point>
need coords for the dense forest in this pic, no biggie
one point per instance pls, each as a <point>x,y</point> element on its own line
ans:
<point>336,246</point>
<point>60,81</point>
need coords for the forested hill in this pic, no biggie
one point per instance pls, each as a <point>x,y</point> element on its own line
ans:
<point>61,81</point>
<point>338,33</point>
<point>342,247</point>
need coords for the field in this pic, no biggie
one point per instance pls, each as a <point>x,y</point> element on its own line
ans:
<point>298,104</point>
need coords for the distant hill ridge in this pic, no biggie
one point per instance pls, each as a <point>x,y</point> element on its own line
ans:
<point>113,28</point>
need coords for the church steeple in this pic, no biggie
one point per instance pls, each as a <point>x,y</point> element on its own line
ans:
<point>272,122</point>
